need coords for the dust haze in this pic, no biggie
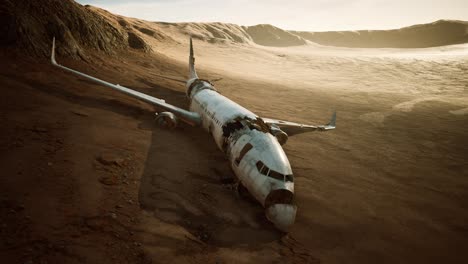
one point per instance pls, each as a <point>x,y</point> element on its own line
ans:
<point>89,177</point>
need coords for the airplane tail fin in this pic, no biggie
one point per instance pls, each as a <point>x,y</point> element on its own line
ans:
<point>193,72</point>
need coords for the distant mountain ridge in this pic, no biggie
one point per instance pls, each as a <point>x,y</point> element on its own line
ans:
<point>30,26</point>
<point>438,33</point>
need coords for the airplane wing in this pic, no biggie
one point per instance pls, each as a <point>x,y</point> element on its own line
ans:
<point>186,116</point>
<point>292,128</point>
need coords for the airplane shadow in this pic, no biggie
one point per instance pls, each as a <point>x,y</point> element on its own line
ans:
<point>56,90</point>
<point>182,180</point>
<point>183,183</point>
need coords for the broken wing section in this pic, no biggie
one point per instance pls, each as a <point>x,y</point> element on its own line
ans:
<point>187,116</point>
<point>292,128</point>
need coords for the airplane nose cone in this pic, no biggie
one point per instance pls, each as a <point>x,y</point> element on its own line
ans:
<point>282,215</point>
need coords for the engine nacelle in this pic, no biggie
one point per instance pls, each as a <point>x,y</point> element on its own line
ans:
<point>167,120</point>
<point>280,135</point>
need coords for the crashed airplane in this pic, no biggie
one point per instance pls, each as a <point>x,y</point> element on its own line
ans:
<point>251,143</point>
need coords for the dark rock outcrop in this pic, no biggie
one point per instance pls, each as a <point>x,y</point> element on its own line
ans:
<point>30,26</point>
<point>135,42</point>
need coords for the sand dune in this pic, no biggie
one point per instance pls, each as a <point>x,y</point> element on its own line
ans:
<point>268,35</point>
<point>439,33</point>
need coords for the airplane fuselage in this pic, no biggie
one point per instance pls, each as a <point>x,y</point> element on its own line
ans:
<point>256,157</point>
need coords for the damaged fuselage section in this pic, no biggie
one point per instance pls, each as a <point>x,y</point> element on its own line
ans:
<point>255,154</point>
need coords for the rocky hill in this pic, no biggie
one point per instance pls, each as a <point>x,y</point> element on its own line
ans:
<point>30,26</point>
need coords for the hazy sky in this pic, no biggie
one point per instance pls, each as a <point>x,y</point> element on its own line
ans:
<point>313,15</point>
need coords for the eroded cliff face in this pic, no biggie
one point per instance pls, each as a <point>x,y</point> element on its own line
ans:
<point>30,26</point>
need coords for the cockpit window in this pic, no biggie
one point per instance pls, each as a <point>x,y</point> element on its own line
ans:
<point>259,165</point>
<point>263,169</point>
<point>276,175</point>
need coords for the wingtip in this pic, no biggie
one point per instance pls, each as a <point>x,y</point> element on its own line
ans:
<point>52,55</point>
<point>333,120</point>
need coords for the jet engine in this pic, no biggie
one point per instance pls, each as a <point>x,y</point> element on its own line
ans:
<point>280,135</point>
<point>167,120</point>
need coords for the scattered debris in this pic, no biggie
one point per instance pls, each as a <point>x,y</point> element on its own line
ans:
<point>109,180</point>
<point>110,159</point>
<point>79,113</point>
<point>39,129</point>
<point>194,240</point>
<point>137,244</point>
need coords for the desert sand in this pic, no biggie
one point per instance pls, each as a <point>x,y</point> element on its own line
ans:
<point>87,176</point>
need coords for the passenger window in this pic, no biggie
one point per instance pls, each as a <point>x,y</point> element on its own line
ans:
<point>244,151</point>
